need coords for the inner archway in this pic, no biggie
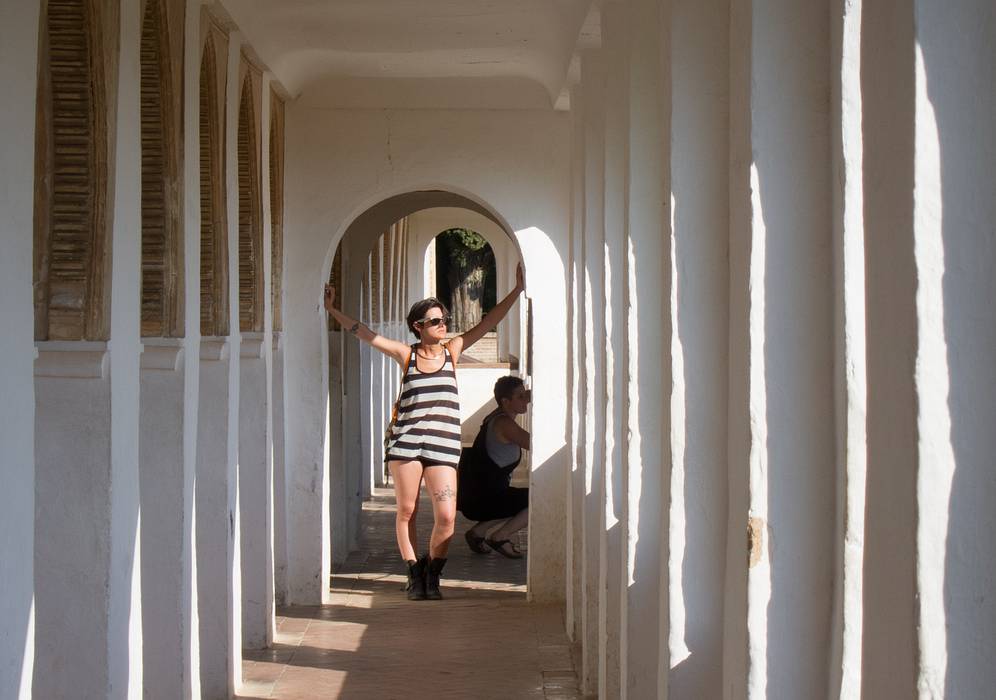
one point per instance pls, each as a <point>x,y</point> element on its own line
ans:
<point>378,270</point>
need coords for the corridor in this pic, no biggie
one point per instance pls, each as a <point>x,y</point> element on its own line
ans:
<point>483,641</point>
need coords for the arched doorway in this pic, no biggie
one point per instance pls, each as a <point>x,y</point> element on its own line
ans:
<point>378,270</point>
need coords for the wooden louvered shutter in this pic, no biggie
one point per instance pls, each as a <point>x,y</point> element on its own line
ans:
<point>277,208</point>
<point>250,243</point>
<point>214,237</point>
<point>70,229</point>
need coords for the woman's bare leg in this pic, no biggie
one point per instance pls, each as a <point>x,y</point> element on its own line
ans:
<point>442,484</point>
<point>482,528</point>
<point>407,478</point>
<point>514,524</point>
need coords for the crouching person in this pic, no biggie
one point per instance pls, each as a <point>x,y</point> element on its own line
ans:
<point>484,493</point>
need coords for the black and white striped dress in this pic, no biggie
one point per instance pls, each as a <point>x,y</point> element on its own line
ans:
<point>428,425</point>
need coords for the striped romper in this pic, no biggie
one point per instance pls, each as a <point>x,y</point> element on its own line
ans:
<point>428,425</point>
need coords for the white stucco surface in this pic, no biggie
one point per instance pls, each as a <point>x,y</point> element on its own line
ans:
<point>515,164</point>
<point>759,256</point>
<point>18,60</point>
<point>699,344</point>
<point>473,43</point>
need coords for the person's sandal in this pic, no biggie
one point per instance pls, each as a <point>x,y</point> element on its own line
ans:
<point>499,546</point>
<point>475,543</point>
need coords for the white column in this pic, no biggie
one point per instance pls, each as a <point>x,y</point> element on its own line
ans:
<point>217,512</point>
<point>648,288</point>
<point>699,303</point>
<point>850,376</point>
<point>889,626</point>
<point>593,77</point>
<point>573,599</point>
<point>255,434</point>
<point>167,441</point>
<point>782,431</point>
<point>19,24</point>
<point>86,450</point>
<point>928,117</point>
<point>615,42</point>
<point>279,468</point>
<point>954,210</point>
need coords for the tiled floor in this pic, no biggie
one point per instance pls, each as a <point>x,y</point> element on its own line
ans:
<point>483,641</point>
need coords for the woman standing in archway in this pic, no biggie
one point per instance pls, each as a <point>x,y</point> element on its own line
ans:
<point>424,439</point>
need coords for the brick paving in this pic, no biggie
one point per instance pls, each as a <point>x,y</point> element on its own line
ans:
<point>483,641</point>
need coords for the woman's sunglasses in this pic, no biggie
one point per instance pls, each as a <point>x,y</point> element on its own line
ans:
<point>445,320</point>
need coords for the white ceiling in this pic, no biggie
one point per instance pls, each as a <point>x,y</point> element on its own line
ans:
<point>387,51</point>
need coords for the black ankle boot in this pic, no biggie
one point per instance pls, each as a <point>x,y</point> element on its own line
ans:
<point>432,579</point>
<point>416,579</point>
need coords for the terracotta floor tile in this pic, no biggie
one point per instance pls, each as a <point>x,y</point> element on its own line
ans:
<point>483,641</point>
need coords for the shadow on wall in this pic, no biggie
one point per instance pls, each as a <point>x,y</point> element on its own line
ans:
<point>960,78</point>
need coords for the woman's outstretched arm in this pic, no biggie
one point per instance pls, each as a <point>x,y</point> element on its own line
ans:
<point>490,320</point>
<point>392,348</point>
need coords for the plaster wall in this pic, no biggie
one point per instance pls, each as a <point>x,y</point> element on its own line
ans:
<point>341,163</point>
<point>18,71</point>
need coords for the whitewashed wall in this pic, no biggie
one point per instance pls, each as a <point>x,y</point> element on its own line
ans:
<point>337,167</point>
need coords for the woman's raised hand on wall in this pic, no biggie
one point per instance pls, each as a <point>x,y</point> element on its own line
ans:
<point>329,298</point>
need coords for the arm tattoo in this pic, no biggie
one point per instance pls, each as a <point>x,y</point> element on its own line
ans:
<point>354,328</point>
<point>445,494</point>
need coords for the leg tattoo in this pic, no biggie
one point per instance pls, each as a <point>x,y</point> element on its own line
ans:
<point>445,494</point>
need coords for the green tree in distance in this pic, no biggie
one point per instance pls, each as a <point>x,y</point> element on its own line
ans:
<point>465,276</point>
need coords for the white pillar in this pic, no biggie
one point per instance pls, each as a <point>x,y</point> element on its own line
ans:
<point>87,541</point>
<point>782,431</point>
<point>279,469</point>
<point>593,77</point>
<point>850,376</point>
<point>954,210</point>
<point>255,434</point>
<point>573,598</point>
<point>19,24</point>
<point>929,146</point>
<point>615,41</point>
<point>648,288</point>
<point>699,69</point>
<point>309,550</point>
<point>167,441</point>
<point>217,508</point>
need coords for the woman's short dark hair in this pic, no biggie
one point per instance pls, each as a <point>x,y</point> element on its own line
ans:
<point>506,386</point>
<point>420,309</point>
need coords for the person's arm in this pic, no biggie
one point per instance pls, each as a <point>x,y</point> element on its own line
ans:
<point>461,342</point>
<point>507,430</point>
<point>391,348</point>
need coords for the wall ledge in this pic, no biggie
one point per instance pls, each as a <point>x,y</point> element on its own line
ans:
<point>252,346</point>
<point>162,354</point>
<point>214,348</point>
<point>71,359</point>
